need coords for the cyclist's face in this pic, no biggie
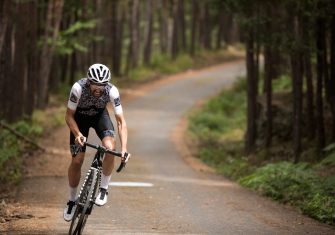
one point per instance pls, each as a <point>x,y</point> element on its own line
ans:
<point>97,89</point>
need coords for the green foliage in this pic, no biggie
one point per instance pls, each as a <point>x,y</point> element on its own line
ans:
<point>162,64</point>
<point>11,149</point>
<point>328,161</point>
<point>142,73</point>
<point>296,184</point>
<point>222,114</point>
<point>321,207</point>
<point>79,26</point>
<point>218,129</point>
<point>329,148</point>
<point>282,181</point>
<point>41,119</point>
<point>165,65</point>
<point>283,83</point>
<point>71,40</point>
<point>28,128</point>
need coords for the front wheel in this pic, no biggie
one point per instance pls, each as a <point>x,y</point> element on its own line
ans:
<point>84,204</point>
<point>78,222</point>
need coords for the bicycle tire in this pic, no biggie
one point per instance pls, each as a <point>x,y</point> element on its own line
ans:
<point>85,202</point>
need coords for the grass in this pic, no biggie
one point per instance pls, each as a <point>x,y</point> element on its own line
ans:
<point>12,148</point>
<point>164,65</point>
<point>218,130</point>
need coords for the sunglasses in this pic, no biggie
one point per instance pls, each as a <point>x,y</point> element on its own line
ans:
<point>97,85</point>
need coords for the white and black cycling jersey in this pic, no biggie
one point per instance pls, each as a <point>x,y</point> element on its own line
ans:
<point>83,102</point>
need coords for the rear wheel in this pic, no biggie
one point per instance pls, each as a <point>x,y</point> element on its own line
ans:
<point>84,204</point>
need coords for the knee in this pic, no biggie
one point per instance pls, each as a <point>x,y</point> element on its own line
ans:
<point>77,163</point>
<point>109,143</point>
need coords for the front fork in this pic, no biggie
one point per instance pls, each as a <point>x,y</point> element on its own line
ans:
<point>97,182</point>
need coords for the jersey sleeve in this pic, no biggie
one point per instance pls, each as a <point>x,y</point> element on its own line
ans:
<point>74,96</point>
<point>115,100</point>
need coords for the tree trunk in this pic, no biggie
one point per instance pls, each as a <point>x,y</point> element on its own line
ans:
<point>6,63</point>
<point>330,78</point>
<point>148,32</point>
<point>119,40</point>
<point>182,29</point>
<point>332,72</point>
<point>135,37</point>
<point>163,29</point>
<point>320,34</point>
<point>54,10</point>
<point>228,28</point>
<point>3,21</point>
<point>73,68</point>
<point>82,15</point>
<point>297,75</point>
<point>175,31</point>
<point>221,21</point>
<point>32,55</point>
<point>20,63</point>
<point>309,96</point>
<point>268,76</point>
<point>114,8</point>
<point>207,26</point>
<point>307,67</point>
<point>252,85</point>
<point>195,20</point>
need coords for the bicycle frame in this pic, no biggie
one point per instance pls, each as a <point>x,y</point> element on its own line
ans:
<point>90,187</point>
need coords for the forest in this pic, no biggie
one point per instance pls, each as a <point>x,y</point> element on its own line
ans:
<point>46,45</point>
<point>62,38</point>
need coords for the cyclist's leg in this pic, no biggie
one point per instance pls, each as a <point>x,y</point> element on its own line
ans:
<point>108,162</point>
<point>105,130</point>
<point>74,170</point>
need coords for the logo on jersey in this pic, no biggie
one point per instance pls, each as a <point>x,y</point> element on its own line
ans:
<point>117,101</point>
<point>73,98</point>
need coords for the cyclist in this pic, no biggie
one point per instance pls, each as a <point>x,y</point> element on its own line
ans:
<point>87,108</point>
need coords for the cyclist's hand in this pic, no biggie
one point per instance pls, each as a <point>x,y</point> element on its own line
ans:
<point>125,156</point>
<point>80,139</point>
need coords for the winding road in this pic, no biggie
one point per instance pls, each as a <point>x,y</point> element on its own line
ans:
<point>159,192</point>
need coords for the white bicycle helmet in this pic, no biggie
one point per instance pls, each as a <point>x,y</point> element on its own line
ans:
<point>99,73</point>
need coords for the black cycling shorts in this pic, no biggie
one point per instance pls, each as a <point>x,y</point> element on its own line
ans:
<point>101,123</point>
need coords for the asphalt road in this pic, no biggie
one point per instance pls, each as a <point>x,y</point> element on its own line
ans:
<point>167,196</point>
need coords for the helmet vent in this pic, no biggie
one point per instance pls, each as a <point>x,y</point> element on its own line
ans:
<point>99,73</point>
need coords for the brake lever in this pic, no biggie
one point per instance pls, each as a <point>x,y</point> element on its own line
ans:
<point>76,151</point>
<point>123,162</point>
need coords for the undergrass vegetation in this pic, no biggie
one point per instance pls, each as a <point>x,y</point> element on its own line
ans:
<point>13,147</point>
<point>164,65</point>
<point>218,131</point>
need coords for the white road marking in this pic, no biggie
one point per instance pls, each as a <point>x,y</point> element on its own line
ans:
<point>131,184</point>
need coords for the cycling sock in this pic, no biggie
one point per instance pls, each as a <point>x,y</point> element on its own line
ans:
<point>105,181</point>
<point>73,194</point>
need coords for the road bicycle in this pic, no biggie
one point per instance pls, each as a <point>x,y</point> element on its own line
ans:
<point>90,186</point>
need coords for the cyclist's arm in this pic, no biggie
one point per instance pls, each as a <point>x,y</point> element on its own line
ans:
<point>72,124</point>
<point>120,120</point>
<point>122,129</point>
<point>72,104</point>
